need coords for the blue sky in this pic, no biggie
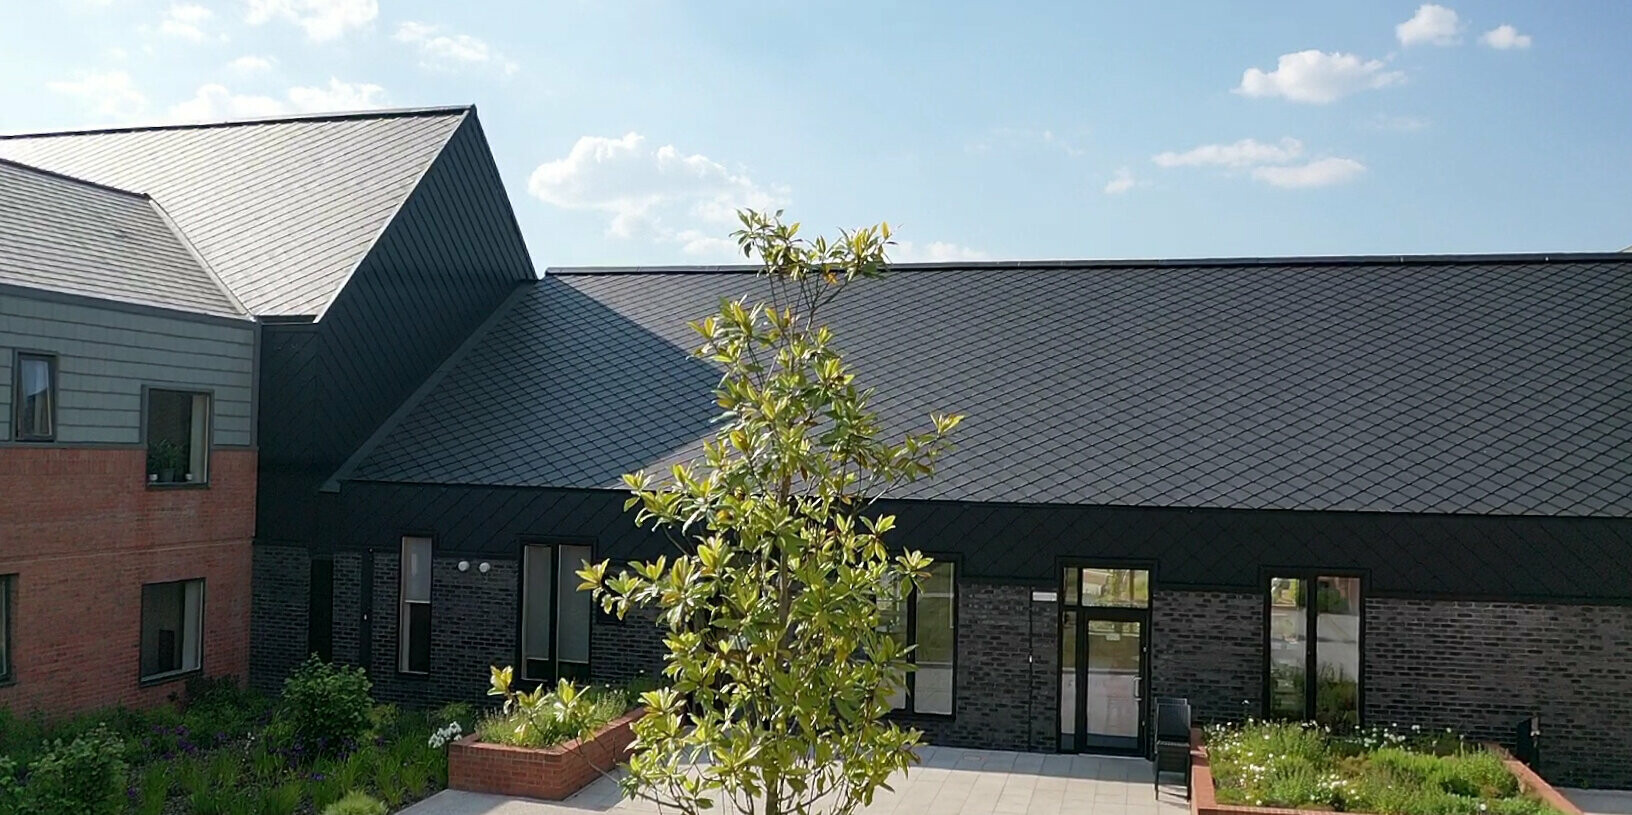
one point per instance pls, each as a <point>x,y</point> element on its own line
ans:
<point>626,132</point>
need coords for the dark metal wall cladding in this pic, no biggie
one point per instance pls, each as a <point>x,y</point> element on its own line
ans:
<point>1511,557</point>
<point>448,259</point>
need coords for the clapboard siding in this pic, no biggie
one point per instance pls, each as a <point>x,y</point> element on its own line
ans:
<point>105,355</point>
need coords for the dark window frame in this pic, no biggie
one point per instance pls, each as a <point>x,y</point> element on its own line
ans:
<point>144,680</point>
<point>8,645</point>
<point>400,658</point>
<point>1311,659</point>
<point>52,362</point>
<point>209,434</point>
<point>581,673</point>
<point>910,699</point>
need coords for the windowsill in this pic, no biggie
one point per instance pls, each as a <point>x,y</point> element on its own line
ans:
<point>178,485</point>
<point>414,674</point>
<point>164,679</point>
<point>7,681</point>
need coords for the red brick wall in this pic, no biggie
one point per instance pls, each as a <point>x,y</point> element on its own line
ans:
<point>82,532</point>
<point>550,774</point>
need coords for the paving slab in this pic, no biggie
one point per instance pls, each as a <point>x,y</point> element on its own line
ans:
<point>948,780</point>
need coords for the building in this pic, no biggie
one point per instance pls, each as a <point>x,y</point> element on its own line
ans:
<point>365,246</point>
<point>1362,490</point>
<point>127,450</point>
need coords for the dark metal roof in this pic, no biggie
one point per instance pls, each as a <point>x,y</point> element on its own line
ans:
<point>1499,384</point>
<point>65,235</point>
<point>283,209</point>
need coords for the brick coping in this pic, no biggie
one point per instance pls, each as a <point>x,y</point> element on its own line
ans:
<point>1204,797</point>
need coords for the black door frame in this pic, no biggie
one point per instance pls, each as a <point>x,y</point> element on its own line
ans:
<point>1085,614</point>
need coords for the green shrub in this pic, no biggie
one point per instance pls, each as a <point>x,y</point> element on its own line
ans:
<point>283,799</point>
<point>85,776</point>
<point>1411,772</point>
<point>538,719</point>
<point>326,707</point>
<point>356,802</point>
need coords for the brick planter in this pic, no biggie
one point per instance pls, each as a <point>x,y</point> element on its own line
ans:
<point>551,773</point>
<point>1204,800</point>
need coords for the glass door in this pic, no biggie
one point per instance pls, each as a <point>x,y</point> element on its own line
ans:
<point>1104,615</point>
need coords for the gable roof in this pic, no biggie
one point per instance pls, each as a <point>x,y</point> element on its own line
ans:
<point>66,235</point>
<point>283,209</point>
<point>1491,384</point>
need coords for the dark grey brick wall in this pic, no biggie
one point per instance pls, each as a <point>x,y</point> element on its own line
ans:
<point>473,626</point>
<point>1209,647</point>
<point>623,649</point>
<point>348,576</point>
<point>992,699</point>
<point>1482,667</point>
<point>281,577</point>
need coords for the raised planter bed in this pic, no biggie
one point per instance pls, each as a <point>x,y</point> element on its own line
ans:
<point>550,773</point>
<point>1204,798</point>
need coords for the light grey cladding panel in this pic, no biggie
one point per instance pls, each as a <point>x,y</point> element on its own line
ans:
<point>106,355</point>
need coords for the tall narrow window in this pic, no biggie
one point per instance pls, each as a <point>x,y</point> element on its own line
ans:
<point>178,437</point>
<point>172,628</point>
<point>555,615</point>
<point>35,389</point>
<point>414,617</point>
<point>1314,649</point>
<point>6,583</point>
<point>928,619</point>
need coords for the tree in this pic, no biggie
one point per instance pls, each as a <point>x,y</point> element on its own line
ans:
<point>777,609</point>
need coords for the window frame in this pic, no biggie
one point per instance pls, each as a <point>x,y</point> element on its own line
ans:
<point>52,362</point>
<point>1311,659</point>
<point>404,620</point>
<point>8,645</point>
<point>554,660</point>
<point>910,692</point>
<point>146,680</point>
<point>208,434</point>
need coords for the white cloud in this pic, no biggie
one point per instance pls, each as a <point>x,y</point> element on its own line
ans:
<point>337,96</point>
<point>1318,173</point>
<point>1244,153</point>
<point>1432,24</point>
<point>1121,181</point>
<point>933,252</point>
<point>214,102</point>
<point>250,64</point>
<point>1504,37</point>
<point>653,193</point>
<point>185,21</point>
<point>1317,77</point>
<point>109,93</point>
<point>451,51</point>
<point>321,19</point>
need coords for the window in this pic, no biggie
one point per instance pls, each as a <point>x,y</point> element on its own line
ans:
<point>414,617</point>
<point>178,437</point>
<point>172,618</point>
<point>555,615</point>
<point>1314,649</point>
<point>36,398</point>
<point>928,619</point>
<point>6,582</point>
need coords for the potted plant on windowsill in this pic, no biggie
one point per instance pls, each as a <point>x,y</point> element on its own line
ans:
<point>165,458</point>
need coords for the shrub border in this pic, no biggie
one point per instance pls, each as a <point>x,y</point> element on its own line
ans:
<point>1204,798</point>
<point>547,773</point>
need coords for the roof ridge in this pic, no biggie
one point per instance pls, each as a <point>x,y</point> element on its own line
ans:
<point>1135,263</point>
<point>198,257</point>
<point>74,179</point>
<point>378,113</point>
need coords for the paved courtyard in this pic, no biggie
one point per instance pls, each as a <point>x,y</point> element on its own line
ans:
<point>948,781</point>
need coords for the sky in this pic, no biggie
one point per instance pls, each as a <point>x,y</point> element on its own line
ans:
<point>628,132</point>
